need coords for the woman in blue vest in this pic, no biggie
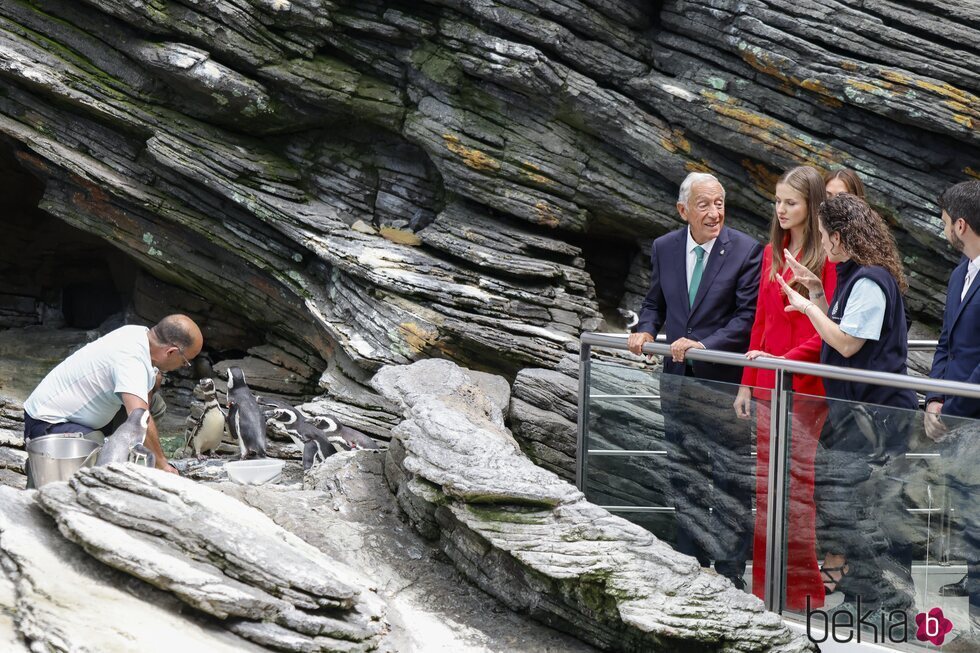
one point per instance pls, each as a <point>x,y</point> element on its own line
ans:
<point>863,326</point>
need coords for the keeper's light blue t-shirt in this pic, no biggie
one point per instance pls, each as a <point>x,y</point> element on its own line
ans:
<point>86,387</point>
<point>865,311</point>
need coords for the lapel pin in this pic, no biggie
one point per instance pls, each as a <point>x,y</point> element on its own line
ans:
<point>721,253</point>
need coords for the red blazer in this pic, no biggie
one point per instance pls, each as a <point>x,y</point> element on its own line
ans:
<point>787,334</point>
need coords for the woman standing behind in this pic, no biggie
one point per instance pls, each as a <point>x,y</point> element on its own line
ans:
<point>864,328</point>
<point>843,181</point>
<point>790,335</point>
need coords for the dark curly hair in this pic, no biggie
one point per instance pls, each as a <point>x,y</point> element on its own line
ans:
<point>863,234</point>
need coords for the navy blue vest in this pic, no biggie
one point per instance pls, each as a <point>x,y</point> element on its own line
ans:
<point>887,354</point>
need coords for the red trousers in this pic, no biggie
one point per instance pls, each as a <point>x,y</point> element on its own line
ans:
<point>802,570</point>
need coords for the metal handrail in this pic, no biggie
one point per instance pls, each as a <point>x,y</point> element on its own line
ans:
<point>914,345</point>
<point>779,427</point>
<point>917,383</point>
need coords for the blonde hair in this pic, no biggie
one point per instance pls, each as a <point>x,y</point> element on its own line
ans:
<point>808,182</point>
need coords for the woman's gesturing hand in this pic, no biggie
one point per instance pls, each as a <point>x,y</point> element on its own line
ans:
<point>802,274</point>
<point>797,302</point>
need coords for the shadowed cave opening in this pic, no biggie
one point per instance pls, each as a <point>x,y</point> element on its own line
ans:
<point>608,260</point>
<point>61,287</point>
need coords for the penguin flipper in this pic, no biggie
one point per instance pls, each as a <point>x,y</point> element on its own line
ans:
<point>310,451</point>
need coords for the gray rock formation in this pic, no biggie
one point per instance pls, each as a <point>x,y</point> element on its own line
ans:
<point>461,479</point>
<point>431,608</point>
<point>58,598</point>
<point>374,184</point>
<point>219,557</point>
<point>166,544</point>
<point>12,454</point>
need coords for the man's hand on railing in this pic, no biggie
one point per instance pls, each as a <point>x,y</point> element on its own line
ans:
<point>743,402</point>
<point>935,428</point>
<point>636,341</point>
<point>678,348</point>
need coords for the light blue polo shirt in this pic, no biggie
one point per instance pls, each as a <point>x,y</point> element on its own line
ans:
<point>86,387</point>
<point>865,310</point>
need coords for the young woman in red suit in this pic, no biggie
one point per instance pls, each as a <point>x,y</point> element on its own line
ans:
<point>786,334</point>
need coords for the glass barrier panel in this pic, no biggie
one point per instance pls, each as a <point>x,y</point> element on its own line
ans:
<point>895,524</point>
<point>669,453</point>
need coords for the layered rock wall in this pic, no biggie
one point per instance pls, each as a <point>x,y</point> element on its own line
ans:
<point>375,183</point>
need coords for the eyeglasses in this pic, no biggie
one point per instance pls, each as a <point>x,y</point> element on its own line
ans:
<point>180,351</point>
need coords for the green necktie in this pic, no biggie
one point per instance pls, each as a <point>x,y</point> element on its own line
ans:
<point>696,275</point>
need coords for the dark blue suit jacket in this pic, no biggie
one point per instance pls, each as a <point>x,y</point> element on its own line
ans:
<point>958,354</point>
<point>724,308</point>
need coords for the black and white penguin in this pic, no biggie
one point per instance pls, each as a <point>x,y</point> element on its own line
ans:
<point>352,438</point>
<point>130,434</point>
<point>314,443</point>
<point>318,443</point>
<point>245,419</point>
<point>206,423</point>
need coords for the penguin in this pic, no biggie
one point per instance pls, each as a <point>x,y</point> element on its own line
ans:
<point>314,443</point>
<point>205,425</point>
<point>319,441</point>
<point>352,438</point>
<point>130,434</point>
<point>245,420</point>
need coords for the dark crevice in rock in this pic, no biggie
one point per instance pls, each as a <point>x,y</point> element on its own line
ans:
<point>607,260</point>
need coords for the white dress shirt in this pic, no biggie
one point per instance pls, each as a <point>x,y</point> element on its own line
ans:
<point>971,275</point>
<point>692,258</point>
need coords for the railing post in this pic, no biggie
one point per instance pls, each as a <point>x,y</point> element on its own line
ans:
<point>779,427</point>
<point>581,448</point>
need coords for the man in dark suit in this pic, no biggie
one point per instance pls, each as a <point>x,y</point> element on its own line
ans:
<point>703,289</point>
<point>958,359</point>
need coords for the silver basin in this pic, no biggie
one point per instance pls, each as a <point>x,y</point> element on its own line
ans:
<point>57,456</point>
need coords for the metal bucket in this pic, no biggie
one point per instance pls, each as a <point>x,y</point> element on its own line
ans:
<point>57,456</point>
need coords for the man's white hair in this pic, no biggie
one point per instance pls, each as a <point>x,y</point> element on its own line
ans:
<point>696,178</point>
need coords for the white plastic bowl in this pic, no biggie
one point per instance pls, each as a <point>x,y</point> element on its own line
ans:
<point>254,472</point>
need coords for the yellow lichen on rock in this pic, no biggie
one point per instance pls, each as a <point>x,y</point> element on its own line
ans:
<point>400,236</point>
<point>417,337</point>
<point>532,172</point>
<point>471,157</point>
<point>763,178</point>
<point>676,142</point>
<point>546,214</point>
<point>697,166</point>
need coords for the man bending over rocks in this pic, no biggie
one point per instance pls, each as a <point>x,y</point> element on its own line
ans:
<point>119,371</point>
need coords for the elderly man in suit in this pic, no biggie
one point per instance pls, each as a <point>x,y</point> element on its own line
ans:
<point>703,289</point>
<point>958,359</point>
